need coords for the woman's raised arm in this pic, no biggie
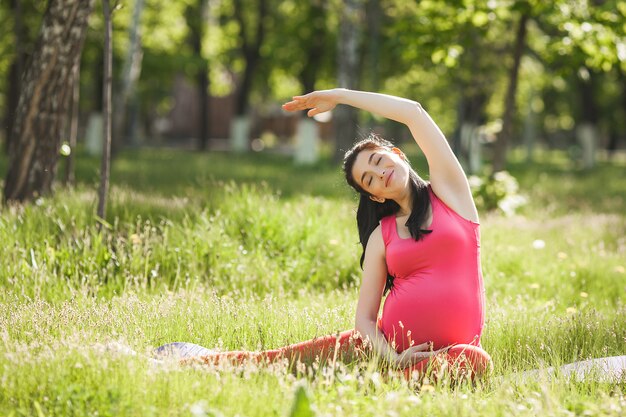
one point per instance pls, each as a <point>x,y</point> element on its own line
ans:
<point>445,173</point>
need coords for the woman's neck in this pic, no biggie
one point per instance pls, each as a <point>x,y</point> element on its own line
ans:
<point>405,202</point>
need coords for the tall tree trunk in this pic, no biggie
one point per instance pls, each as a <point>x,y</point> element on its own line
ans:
<point>471,116</point>
<point>197,20</point>
<point>130,75</point>
<point>106,111</point>
<point>374,16</point>
<point>15,72</point>
<point>251,49</point>
<point>73,127</point>
<point>315,50</point>
<point>43,105</point>
<point>13,97</point>
<point>616,133</point>
<point>346,116</point>
<point>307,131</point>
<point>530,129</point>
<point>205,106</point>
<point>587,126</point>
<point>472,101</point>
<point>499,157</point>
<point>251,52</point>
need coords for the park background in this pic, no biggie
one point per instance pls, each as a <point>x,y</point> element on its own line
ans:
<point>189,206</point>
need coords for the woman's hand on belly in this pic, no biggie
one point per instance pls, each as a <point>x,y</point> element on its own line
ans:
<point>418,353</point>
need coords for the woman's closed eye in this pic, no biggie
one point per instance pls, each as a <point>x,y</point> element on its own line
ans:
<point>379,159</point>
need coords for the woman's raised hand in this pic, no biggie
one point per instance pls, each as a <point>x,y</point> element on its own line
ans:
<point>415,354</point>
<point>318,101</point>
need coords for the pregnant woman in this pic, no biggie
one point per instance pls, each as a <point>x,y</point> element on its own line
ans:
<point>421,248</point>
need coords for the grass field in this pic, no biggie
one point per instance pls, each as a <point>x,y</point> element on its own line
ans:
<point>250,252</point>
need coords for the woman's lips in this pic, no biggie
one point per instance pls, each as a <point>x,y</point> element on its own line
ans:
<point>388,179</point>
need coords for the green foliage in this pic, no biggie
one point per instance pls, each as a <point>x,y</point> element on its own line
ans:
<point>301,404</point>
<point>450,55</point>
<point>499,191</point>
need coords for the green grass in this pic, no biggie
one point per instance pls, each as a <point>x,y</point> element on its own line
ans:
<point>251,252</point>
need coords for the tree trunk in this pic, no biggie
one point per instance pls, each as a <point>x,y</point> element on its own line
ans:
<point>73,127</point>
<point>374,15</point>
<point>307,132</point>
<point>106,111</point>
<point>197,21</point>
<point>205,109</point>
<point>130,75</point>
<point>43,105</point>
<point>616,132</point>
<point>251,53</point>
<point>475,89</point>
<point>315,45</point>
<point>530,130</point>
<point>15,72</point>
<point>346,116</point>
<point>240,126</point>
<point>587,126</point>
<point>499,157</point>
<point>13,97</point>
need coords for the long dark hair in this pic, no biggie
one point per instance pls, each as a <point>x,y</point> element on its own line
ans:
<point>370,212</point>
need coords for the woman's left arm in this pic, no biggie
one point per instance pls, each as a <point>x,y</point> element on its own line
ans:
<point>445,172</point>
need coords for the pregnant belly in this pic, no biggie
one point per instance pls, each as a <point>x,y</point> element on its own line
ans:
<point>443,315</point>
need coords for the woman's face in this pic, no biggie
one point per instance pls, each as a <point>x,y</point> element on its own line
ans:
<point>381,172</point>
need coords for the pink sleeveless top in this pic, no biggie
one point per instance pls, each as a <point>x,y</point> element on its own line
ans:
<point>438,293</point>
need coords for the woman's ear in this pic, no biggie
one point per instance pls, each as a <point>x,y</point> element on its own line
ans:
<point>398,152</point>
<point>377,199</point>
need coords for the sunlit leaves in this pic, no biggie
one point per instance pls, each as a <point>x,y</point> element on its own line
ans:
<point>448,57</point>
<point>584,33</point>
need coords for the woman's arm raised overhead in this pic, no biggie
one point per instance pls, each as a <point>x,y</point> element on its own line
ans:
<point>445,173</point>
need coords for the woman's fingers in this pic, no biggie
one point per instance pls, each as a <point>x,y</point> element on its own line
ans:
<point>423,347</point>
<point>418,353</point>
<point>297,104</point>
<point>294,106</point>
<point>431,353</point>
<point>428,346</point>
<point>317,102</point>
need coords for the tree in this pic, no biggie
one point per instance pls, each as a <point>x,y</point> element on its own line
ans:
<point>584,41</point>
<point>252,31</point>
<point>313,42</point>
<point>43,105</point>
<point>499,157</point>
<point>15,70</point>
<point>106,110</point>
<point>347,58</point>
<point>374,20</point>
<point>25,15</point>
<point>447,57</point>
<point>130,75</point>
<point>196,16</point>
<point>251,38</point>
<point>72,131</point>
<point>299,51</point>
